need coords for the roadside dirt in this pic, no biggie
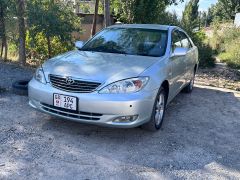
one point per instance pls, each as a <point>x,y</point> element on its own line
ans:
<point>219,76</point>
<point>200,139</point>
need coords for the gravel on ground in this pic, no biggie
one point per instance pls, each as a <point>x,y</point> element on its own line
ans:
<point>200,139</point>
<point>10,72</point>
<point>219,76</point>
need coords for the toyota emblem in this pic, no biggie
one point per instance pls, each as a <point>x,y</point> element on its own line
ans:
<point>69,81</point>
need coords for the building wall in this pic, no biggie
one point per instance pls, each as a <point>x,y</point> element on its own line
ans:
<point>237,20</point>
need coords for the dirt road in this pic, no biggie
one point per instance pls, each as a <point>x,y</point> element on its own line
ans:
<point>200,139</point>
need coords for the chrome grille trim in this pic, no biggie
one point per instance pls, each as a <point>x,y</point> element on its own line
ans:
<point>78,86</point>
<point>74,85</point>
<point>71,114</point>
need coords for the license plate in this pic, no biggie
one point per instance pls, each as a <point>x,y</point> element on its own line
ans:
<point>66,102</point>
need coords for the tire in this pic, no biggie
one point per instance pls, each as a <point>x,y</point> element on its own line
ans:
<point>190,86</point>
<point>2,90</point>
<point>156,120</point>
<point>20,87</point>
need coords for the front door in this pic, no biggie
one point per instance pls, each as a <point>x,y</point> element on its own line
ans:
<point>190,56</point>
<point>178,64</point>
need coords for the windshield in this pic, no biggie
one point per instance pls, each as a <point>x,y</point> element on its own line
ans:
<point>132,41</point>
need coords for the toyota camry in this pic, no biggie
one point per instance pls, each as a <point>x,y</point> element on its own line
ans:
<point>124,76</point>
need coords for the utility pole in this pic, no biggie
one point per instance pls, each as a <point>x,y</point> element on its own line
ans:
<point>107,13</point>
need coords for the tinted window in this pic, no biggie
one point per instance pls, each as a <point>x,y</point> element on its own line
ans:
<point>133,41</point>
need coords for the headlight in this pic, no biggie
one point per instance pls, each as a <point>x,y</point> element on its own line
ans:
<point>125,86</point>
<point>39,76</point>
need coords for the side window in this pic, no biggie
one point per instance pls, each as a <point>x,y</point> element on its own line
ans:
<point>176,40</point>
<point>185,41</point>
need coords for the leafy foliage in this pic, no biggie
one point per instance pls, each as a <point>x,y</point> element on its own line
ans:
<point>229,48</point>
<point>37,50</point>
<point>205,51</point>
<point>226,9</point>
<point>52,20</point>
<point>223,10</point>
<point>190,22</point>
<point>190,16</point>
<point>140,11</point>
<point>168,18</point>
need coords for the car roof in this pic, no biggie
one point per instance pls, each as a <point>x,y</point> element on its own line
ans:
<point>144,26</point>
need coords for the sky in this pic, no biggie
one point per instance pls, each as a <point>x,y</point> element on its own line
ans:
<point>203,6</point>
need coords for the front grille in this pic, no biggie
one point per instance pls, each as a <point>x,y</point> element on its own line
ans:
<point>70,113</point>
<point>77,86</point>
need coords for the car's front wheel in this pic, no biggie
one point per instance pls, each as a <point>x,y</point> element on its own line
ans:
<point>158,112</point>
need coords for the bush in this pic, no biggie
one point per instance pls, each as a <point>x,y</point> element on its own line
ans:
<point>231,55</point>
<point>206,58</point>
<point>37,49</point>
<point>229,49</point>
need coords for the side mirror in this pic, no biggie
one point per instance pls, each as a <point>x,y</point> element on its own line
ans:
<point>79,44</point>
<point>178,51</point>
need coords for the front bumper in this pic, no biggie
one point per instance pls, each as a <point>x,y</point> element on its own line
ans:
<point>95,108</point>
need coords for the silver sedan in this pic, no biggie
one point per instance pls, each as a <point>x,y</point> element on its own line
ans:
<point>125,76</point>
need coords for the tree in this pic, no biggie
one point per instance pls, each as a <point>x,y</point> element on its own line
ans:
<point>190,16</point>
<point>52,19</point>
<point>140,11</point>
<point>169,18</point>
<point>210,15</point>
<point>190,21</point>
<point>22,31</point>
<point>223,10</point>
<point>228,8</point>
<point>203,19</point>
<point>3,14</point>
<point>93,32</point>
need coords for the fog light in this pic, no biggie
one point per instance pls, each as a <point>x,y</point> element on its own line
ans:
<point>125,119</point>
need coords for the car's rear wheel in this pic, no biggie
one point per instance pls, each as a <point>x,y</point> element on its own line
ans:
<point>158,112</point>
<point>189,87</point>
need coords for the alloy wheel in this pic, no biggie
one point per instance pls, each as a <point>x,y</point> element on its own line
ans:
<point>159,109</point>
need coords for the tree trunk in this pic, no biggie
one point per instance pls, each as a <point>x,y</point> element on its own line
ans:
<point>94,25</point>
<point>1,52</point>
<point>3,35</point>
<point>1,28</point>
<point>49,47</point>
<point>22,32</point>
<point>107,13</point>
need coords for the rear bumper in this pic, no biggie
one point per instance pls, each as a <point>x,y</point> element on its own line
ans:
<point>95,108</point>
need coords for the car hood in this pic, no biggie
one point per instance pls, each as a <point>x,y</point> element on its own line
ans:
<point>96,66</point>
